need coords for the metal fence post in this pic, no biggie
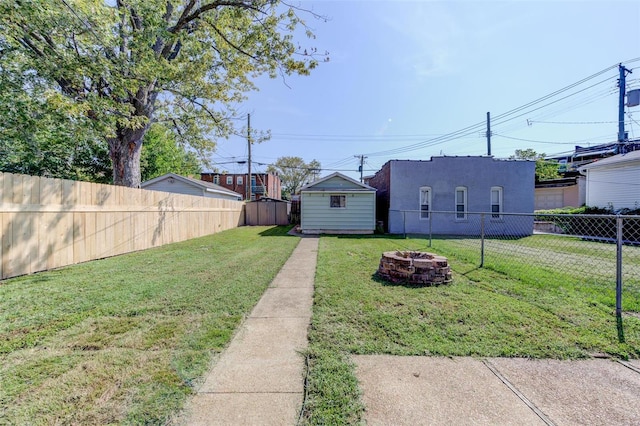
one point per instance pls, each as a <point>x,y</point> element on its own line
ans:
<point>619,228</point>
<point>404,224</point>
<point>481,240</point>
<point>430,227</point>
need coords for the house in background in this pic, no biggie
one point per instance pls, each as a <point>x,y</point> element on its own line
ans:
<point>337,204</point>
<point>171,182</point>
<point>583,155</point>
<point>411,193</point>
<point>562,192</point>
<point>262,184</point>
<point>614,182</point>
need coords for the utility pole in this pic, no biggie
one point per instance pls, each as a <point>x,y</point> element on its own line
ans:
<point>622,84</point>
<point>249,155</point>
<point>360,169</point>
<point>488,133</point>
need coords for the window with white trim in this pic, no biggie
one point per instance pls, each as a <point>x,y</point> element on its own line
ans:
<point>239,180</point>
<point>338,201</point>
<point>229,180</point>
<point>461,203</point>
<point>425,202</point>
<point>216,180</point>
<point>496,202</point>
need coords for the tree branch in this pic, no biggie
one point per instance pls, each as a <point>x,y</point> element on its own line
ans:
<point>238,48</point>
<point>186,18</point>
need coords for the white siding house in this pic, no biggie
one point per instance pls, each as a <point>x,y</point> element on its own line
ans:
<point>614,182</point>
<point>337,204</point>
<point>177,184</point>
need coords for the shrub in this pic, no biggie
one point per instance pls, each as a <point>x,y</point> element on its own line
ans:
<point>597,228</point>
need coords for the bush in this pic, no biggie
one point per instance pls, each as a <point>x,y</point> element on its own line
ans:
<point>598,228</point>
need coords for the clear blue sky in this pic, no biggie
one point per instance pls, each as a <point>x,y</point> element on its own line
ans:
<point>406,72</point>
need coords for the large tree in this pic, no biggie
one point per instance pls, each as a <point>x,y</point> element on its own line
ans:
<point>127,63</point>
<point>545,169</point>
<point>294,173</point>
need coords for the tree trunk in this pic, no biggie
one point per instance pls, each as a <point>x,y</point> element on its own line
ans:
<point>125,151</point>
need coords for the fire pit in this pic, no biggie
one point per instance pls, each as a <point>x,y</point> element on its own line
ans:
<point>414,267</point>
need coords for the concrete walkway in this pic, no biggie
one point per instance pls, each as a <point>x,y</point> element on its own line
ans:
<point>498,391</point>
<point>259,378</point>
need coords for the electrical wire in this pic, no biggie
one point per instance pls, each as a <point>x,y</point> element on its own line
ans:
<point>575,122</point>
<point>502,118</point>
<point>543,142</point>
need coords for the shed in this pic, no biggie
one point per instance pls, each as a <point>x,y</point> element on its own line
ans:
<point>337,204</point>
<point>267,211</point>
<point>613,182</point>
<point>171,182</point>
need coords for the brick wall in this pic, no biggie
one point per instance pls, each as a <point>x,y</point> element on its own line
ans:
<point>382,182</point>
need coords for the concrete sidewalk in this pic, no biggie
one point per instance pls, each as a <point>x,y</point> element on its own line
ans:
<point>259,378</point>
<point>498,391</point>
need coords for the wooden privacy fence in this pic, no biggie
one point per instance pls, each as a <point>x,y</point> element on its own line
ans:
<point>48,223</point>
<point>267,213</point>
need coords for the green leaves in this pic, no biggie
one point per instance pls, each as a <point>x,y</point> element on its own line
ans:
<point>162,154</point>
<point>294,173</point>
<point>125,65</point>
<point>545,169</point>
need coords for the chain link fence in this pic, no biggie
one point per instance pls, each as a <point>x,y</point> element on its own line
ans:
<point>599,249</point>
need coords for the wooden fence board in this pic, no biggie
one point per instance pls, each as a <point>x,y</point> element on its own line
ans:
<point>48,223</point>
<point>7,189</point>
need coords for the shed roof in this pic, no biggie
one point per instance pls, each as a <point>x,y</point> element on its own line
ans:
<point>204,185</point>
<point>354,185</point>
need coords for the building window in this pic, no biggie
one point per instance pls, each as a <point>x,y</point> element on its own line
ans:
<point>239,180</point>
<point>216,180</point>
<point>338,201</point>
<point>496,202</point>
<point>425,202</point>
<point>461,203</point>
<point>229,180</point>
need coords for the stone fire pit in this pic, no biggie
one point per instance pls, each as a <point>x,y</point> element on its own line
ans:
<point>414,267</point>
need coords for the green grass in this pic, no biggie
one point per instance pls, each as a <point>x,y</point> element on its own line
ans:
<point>514,307</point>
<point>124,340</point>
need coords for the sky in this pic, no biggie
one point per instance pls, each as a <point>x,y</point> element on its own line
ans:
<point>402,75</point>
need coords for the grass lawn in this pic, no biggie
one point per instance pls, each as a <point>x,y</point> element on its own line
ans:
<point>124,339</point>
<point>513,307</point>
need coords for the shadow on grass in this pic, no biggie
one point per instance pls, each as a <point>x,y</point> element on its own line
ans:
<point>277,231</point>
<point>378,279</point>
<point>476,268</point>
<point>367,236</point>
<point>620,327</point>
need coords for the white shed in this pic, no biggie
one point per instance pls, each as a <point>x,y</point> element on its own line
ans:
<point>614,181</point>
<point>171,182</point>
<point>337,204</point>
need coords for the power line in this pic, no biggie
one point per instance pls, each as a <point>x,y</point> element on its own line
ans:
<point>469,130</point>
<point>544,142</point>
<point>573,122</point>
<point>339,137</point>
<point>553,102</point>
